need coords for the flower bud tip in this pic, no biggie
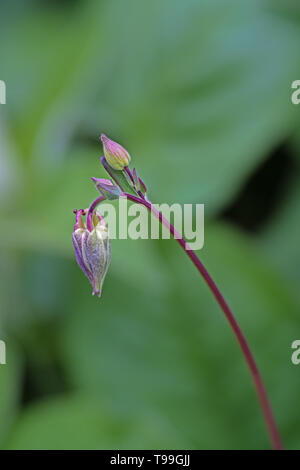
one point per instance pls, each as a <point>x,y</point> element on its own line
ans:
<point>117,157</point>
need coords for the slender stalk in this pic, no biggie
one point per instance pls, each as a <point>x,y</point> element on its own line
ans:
<point>89,223</point>
<point>254,371</point>
<point>249,358</point>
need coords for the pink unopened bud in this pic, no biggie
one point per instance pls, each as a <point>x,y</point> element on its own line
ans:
<point>117,157</point>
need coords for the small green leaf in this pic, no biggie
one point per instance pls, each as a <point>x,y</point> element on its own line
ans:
<point>120,177</point>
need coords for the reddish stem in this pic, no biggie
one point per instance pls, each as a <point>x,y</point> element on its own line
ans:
<point>89,218</point>
<point>254,371</point>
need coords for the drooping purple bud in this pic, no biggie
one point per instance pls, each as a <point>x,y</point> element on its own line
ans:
<point>117,157</point>
<point>92,249</point>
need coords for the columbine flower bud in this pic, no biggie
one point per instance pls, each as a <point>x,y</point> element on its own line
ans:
<point>107,188</point>
<point>117,157</point>
<point>92,249</point>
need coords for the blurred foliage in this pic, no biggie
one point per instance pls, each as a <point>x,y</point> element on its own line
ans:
<point>199,93</point>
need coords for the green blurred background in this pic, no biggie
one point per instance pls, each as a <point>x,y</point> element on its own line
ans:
<point>199,93</point>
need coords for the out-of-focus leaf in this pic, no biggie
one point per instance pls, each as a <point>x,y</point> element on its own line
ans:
<point>213,97</point>
<point>281,238</point>
<point>49,81</point>
<point>10,179</point>
<point>46,212</point>
<point>219,99</point>
<point>289,9</point>
<point>80,422</point>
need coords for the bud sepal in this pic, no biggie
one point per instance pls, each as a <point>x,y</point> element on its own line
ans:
<point>107,188</point>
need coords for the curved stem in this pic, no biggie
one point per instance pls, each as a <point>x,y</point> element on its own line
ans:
<point>257,379</point>
<point>89,218</point>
